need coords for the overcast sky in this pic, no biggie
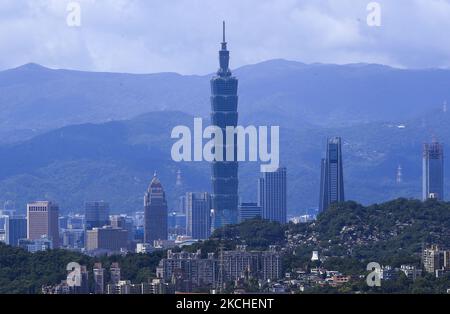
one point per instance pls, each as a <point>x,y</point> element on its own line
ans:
<point>144,36</point>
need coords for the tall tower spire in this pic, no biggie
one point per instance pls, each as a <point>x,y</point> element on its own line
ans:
<point>179,181</point>
<point>224,102</point>
<point>223,40</point>
<point>399,176</point>
<point>224,56</point>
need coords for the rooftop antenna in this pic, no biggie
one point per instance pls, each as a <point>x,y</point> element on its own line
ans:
<point>224,43</point>
<point>224,32</point>
<point>179,181</point>
<point>399,177</point>
<point>434,138</point>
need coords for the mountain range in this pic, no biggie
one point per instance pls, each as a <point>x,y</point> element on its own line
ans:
<point>35,99</point>
<point>75,136</point>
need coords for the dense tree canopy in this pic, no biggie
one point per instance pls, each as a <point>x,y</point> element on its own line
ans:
<point>348,235</point>
<point>23,272</point>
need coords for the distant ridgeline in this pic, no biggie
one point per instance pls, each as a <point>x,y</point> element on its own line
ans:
<point>383,115</point>
<point>349,235</point>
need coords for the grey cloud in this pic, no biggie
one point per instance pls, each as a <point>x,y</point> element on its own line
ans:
<point>144,36</point>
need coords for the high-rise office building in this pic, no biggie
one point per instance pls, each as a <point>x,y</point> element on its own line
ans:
<point>331,175</point>
<point>176,224</point>
<point>63,222</point>
<point>75,221</point>
<point>9,208</point>
<point>433,171</point>
<point>155,212</point>
<point>272,197</point>
<point>124,222</point>
<point>106,238</point>
<point>99,279</point>
<point>15,229</point>
<point>3,221</point>
<point>42,220</point>
<point>96,214</point>
<point>434,258</point>
<point>224,101</point>
<point>198,213</point>
<point>178,192</point>
<point>84,287</point>
<point>249,211</point>
<point>73,238</point>
<point>182,204</point>
<point>115,273</point>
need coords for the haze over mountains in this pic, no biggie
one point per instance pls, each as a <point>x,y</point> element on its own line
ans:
<point>277,91</point>
<point>58,143</point>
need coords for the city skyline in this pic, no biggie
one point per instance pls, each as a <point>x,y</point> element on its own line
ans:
<point>224,120</point>
<point>230,208</point>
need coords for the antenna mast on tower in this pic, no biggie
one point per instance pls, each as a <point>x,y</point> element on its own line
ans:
<point>399,177</point>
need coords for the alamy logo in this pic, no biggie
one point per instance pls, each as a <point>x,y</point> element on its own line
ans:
<point>374,16</point>
<point>222,144</point>
<point>373,279</point>
<point>74,275</point>
<point>74,14</point>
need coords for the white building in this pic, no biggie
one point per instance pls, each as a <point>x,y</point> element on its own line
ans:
<point>144,248</point>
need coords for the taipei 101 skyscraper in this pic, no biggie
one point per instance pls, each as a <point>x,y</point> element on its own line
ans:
<point>224,177</point>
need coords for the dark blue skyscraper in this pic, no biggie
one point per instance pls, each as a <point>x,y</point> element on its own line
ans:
<point>96,214</point>
<point>272,196</point>
<point>433,171</point>
<point>198,220</point>
<point>224,102</point>
<point>249,211</point>
<point>331,176</point>
<point>15,229</point>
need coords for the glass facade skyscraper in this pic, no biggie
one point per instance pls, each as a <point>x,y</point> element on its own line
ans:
<point>198,220</point>
<point>15,229</point>
<point>433,171</point>
<point>331,175</point>
<point>249,211</point>
<point>96,214</point>
<point>224,101</point>
<point>272,195</point>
